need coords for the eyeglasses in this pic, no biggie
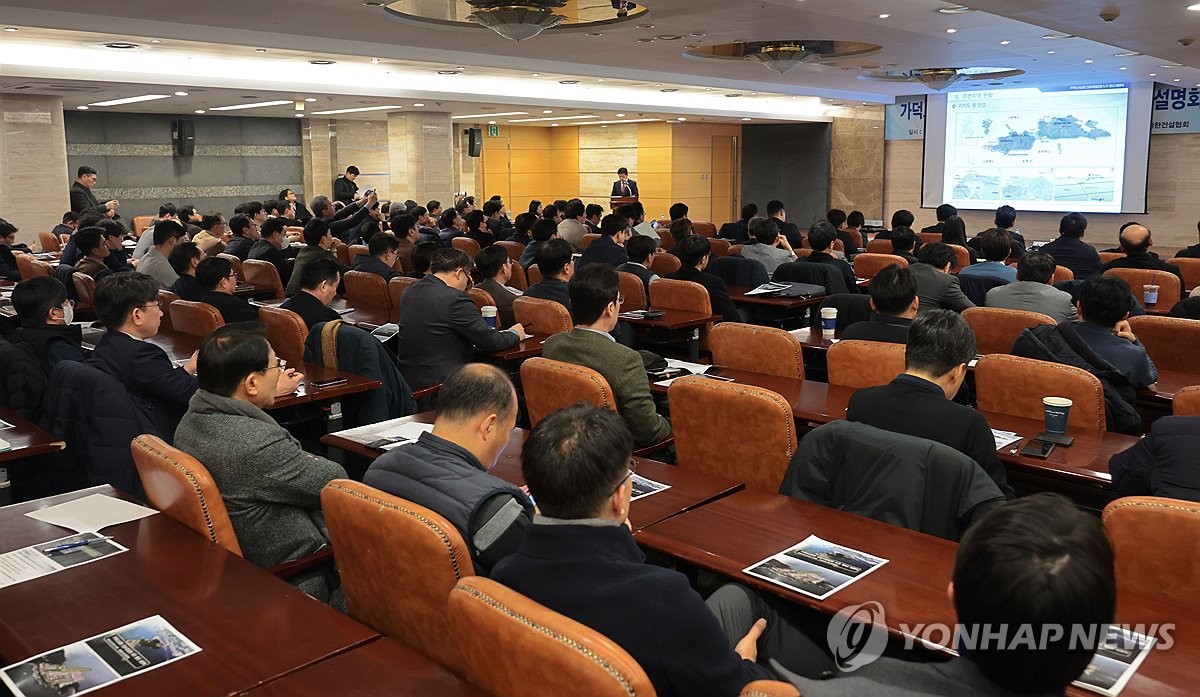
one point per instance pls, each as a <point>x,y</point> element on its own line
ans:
<point>232,275</point>
<point>279,363</point>
<point>632,471</point>
<point>152,303</point>
<point>620,299</point>
<point>67,303</point>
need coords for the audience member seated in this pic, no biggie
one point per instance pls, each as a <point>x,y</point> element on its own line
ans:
<point>214,232</point>
<point>446,470</point>
<point>1136,243</point>
<point>936,286</point>
<point>901,218</point>
<point>944,212</point>
<point>739,230</point>
<point>919,401</point>
<point>273,247</point>
<point>184,259</point>
<point>493,268</point>
<point>954,231</point>
<point>1103,305</point>
<point>579,559</point>
<point>695,251</point>
<point>776,212</point>
<point>1032,290</point>
<point>218,281</point>
<point>382,253</point>
<point>113,233</point>
<point>542,232</point>
<point>452,225</point>
<point>523,230</point>
<point>8,260</point>
<point>820,237</point>
<point>477,229</point>
<point>319,241</point>
<point>495,218</point>
<point>641,253</point>
<point>680,229</point>
<point>555,259</point>
<point>609,247</point>
<point>893,306</point>
<point>837,218</point>
<point>1070,250</point>
<point>572,228</point>
<point>771,249</point>
<point>408,234</point>
<point>91,244</point>
<point>342,223</point>
<point>1192,252</point>
<point>318,282</point>
<point>166,212</point>
<point>270,485</point>
<point>1006,217</point>
<point>591,217</point>
<point>1041,541</point>
<point>68,226</point>
<point>215,241</point>
<point>46,314</point>
<point>244,233</point>
<point>127,304</point>
<point>422,256</point>
<point>997,246</point>
<point>638,222</point>
<point>595,304</point>
<point>440,327</point>
<point>904,241</point>
<point>1165,463</point>
<point>156,263</point>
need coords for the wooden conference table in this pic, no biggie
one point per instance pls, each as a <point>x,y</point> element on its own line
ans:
<point>25,438</point>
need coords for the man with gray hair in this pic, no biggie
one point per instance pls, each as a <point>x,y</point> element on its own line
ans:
<point>771,248</point>
<point>1032,290</point>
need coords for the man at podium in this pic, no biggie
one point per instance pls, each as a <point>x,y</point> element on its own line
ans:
<point>624,186</point>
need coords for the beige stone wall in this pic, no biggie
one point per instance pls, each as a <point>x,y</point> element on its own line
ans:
<point>34,181</point>
<point>856,167</point>
<point>421,156</point>
<point>316,153</point>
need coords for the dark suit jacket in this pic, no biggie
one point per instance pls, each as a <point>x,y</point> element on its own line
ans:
<point>830,260</point>
<point>1192,252</point>
<point>344,189</point>
<point>1161,464</point>
<point>919,408</point>
<point>187,288</point>
<point>160,390</point>
<point>1144,261</point>
<point>603,251</point>
<point>83,200</point>
<point>231,307</point>
<point>641,272</point>
<point>938,291</point>
<point>791,232</point>
<point>718,296</point>
<point>306,255</point>
<point>8,264</point>
<point>880,328</point>
<point>504,299</point>
<point>484,237</point>
<point>737,230</point>
<point>550,289</point>
<point>370,264</point>
<point>439,331</point>
<point>1080,257</point>
<point>616,190</point>
<point>239,246</point>
<point>311,310</point>
<point>265,251</point>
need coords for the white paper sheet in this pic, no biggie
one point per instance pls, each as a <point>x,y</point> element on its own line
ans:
<point>1005,438</point>
<point>91,513</point>
<point>693,368</point>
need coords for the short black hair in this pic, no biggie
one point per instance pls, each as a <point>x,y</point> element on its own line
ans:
<point>449,259</point>
<point>475,219</point>
<point>476,389</point>
<point>318,271</point>
<point>283,194</point>
<point>382,243</point>
<point>433,205</point>
<point>1072,225</point>
<point>88,239</point>
<point>415,211</point>
<point>211,271</point>
<point>35,297</point>
<point>592,210</point>
<point>90,218</point>
<point>892,289</point>
<point>639,248</point>
<point>821,235</point>
<point>7,229</point>
<point>422,255</point>
<point>592,289</point>
<point>550,211</point>
<point>677,211</point>
<point>680,228</point>
<point>749,211</point>
<point>856,219</point>
<point>954,231</point>
<point>492,207</point>
<point>836,217</point>
<point>574,209</point>
<point>119,293</point>
<point>186,212</point>
<point>533,206</point>
<point>553,255</point>
<point>167,209</point>
<point>902,218</point>
<point>996,244</point>
<point>1035,266</point>
<point>627,212</point>
<point>84,169</point>
<point>401,224</point>
<point>524,223</point>
<point>613,224</point>
<point>315,231</point>
<point>182,255</point>
<point>938,342</point>
<point>69,217</point>
<point>231,353</point>
<point>693,249</point>
<point>903,239</point>
<point>447,218</point>
<point>622,170</point>
<point>575,459</point>
<point>1104,300</point>
<point>1006,216</point>
<point>1040,541</point>
<point>271,227</point>
<point>249,208</point>
<point>937,255</point>
<point>774,207</point>
<point>165,230</point>
<point>211,220</point>
<point>489,261</point>
<point>765,230</point>
<point>352,170</point>
<point>239,223</point>
<point>944,212</point>
<point>544,229</point>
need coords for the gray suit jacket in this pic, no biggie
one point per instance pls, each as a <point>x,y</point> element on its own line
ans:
<point>890,677</point>
<point>938,290</point>
<point>769,256</point>
<point>156,266</point>
<point>1034,297</point>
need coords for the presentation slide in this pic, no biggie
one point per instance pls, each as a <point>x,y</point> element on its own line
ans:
<point>1038,150</point>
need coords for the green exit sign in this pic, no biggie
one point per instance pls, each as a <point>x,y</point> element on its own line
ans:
<point>493,131</point>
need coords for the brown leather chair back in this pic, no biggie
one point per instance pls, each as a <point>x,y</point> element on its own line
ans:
<point>514,249</point>
<point>802,252</point>
<point>1169,288</point>
<point>669,294</point>
<point>551,385</point>
<point>962,257</point>
<point>539,316</point>
<point>997,328</point>
<point>1186,402</point>
<point>165,299</point>
<point>533,274</point>
<point>516,278</point>
<point>705,415</point>
<point>287,333</point>
<point>929,237</point>
<point>588,238</point>
<point>514,647</point>
<point>141,223</point>
<point>856,236</point>
<point>236,263</point>
<point>49,242</point>
<point>1191,271</point>
<point>397,561</point>
<point>85,289</point>
<point>665,263</point>
<point>861,364</point>
<point>633,291</point>
<point>263,276</point>
<point>837,245</point>
<point>341,250</point>
<point>366,289</point>
<point>720,248</point>
<point>482,299</point>
<point>1015,386</point>
<point>665,239</point>
<point>356,249</point>
<point>1154,546</point>
<point>707,229</point>
<point>866,265</point>
<point>766,350</point>
<point>1171,342</point>
<point>195,318</point>
<point>466,244</point>
<point>735,250</point>
<point>1062,273</point>
<point>1106,257</point>
<point>32,268</point>
<point>880,247</point>
<point>395,290</point>
<point>179,486</point>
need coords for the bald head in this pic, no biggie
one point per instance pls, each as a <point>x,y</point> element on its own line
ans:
<point>475,390</point>
<point>1135,239</point>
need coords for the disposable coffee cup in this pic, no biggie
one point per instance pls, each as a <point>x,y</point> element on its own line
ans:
<point>1057,410</point>
<point>828,320</point>
<point>489,315</point>
<point>1150,294</point>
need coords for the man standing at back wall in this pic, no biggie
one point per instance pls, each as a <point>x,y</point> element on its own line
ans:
<point>344,188</point>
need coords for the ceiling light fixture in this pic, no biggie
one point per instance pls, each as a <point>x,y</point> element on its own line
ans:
<point>1122,68</point>
<point>954,9</point>
<point>885,15</point>
<point>352,111</point>
<point>131,100</point>
<point>82,107</point>
<point>669,37</point>
<point>299,116</point>
<point>374,61</point>
<point>554,118</point>
<point>199,111</point>
<point>681,119</point>
<point>568,82</point>
<point>1126,54</point>
<point>120,45</point>
<point>941,78</point>
<point>746,118</point>
<point>251,105</point>
<point>1088,60</point>
<point>553,124</point>
<point>602,123</point>
<point>669,89</point>
<point>419,104</point>
<point>1005,42</point>
<point>547,111</point>
<point>449,72</point>
<point>952,31</point>
<point>1175,80</point>
<point>1049,53</point>
<point>181,94</point>
<point>491,123</point>
<point>156,41</point>
<point>11,29</point>
<point>1058,35</point>
<point>322,62</point>
<point>260,50</point>
<point>1194,8</point>
<point>310,99</point>
<point>516,20</point>
<point>620,116</point>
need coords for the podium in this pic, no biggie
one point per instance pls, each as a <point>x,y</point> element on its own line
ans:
<point>616,202</point>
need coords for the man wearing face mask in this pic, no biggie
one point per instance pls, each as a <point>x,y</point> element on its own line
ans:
<point>46,315</point>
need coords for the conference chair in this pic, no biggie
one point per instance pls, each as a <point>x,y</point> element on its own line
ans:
<point>552,385</point>
<point>856,236</point>
<point>665,263</point>
<point>704,228</point>
<point>264,277</point>
<point>356,249</point>
<point>341,250</point>
<point>1169,288</point>
<point>756,349</point>
<point>880,247</point>
<point>837,246</point>
<point>732,430</point>
<point>1106,257</point>
<point>929,237</point>
<point>1172,343</point>
<point>802,252</point>
<point>466,244</point>
<point>1154,547</point>
<point>1191,271</point>
<point>633,291</point>
<point>85,291</point>
<point>720,248</point>
<point>850,308</point>
<point>514,249</point>
<point>670,294</point>
<point>195,318</point>
<point>1186,402</point>
<point>483,299</point>
<point>516,278</point>
<point>962,257</point>
<point>366,289</point>
<point>165,299</point>
<point>533,274</point>
<point>738,271</point>
<point>32,268</point>
<point>1015,386</point>
<point>49,242</point>
<point>588,238</point>
<point>976,287</point>
<point>398,562</point>
<point>141,223</point>
<point>286,332</point>
<point>735,249</point>
<point>236,263</point>
<point>395,291</point>
<point>859,364</point>
<point>867,265</point>
<point>1062,273</point>
<point>997,328</point>
<point>539,316</point>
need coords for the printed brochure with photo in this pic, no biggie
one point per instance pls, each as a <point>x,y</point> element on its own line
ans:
<point>47,558</point>
<point>643,487</point>
<point>815,567</point>
<point>1115,662</point>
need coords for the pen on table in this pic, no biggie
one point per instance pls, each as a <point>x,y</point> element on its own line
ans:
<point>73,545</point>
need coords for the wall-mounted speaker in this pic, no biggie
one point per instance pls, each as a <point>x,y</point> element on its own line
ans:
<point>474,142</point>
<point>183,137</point>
